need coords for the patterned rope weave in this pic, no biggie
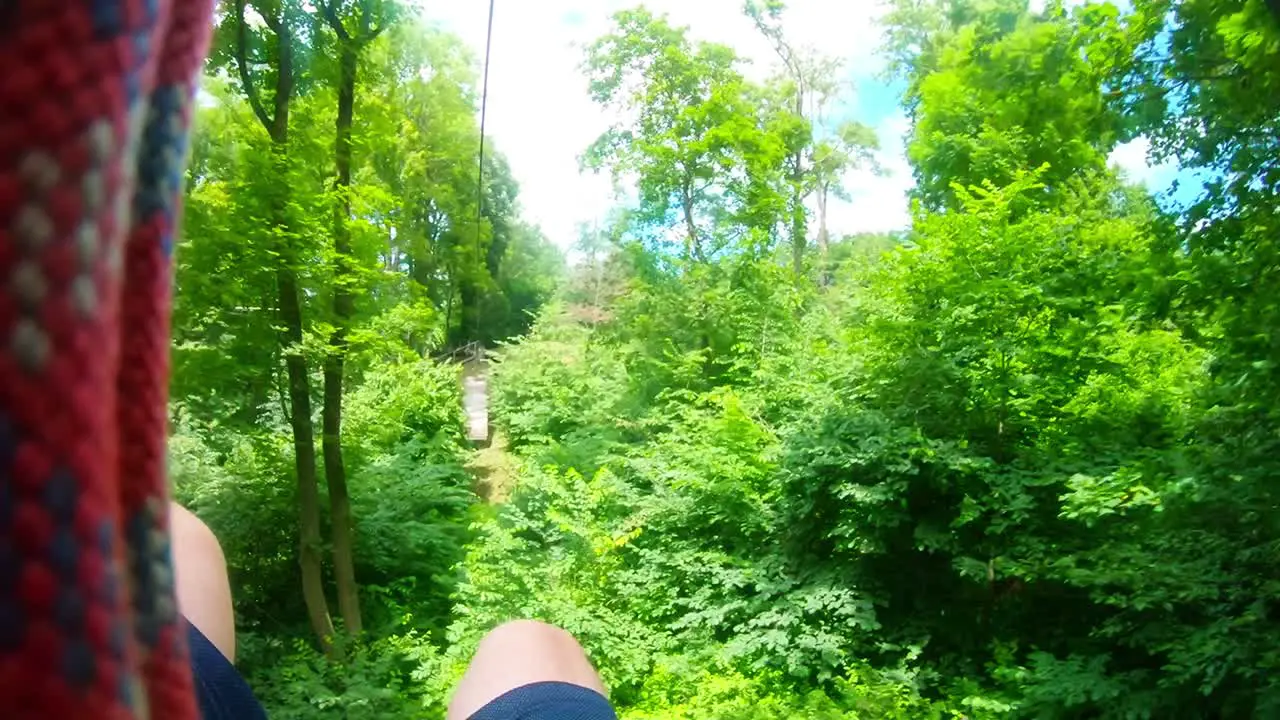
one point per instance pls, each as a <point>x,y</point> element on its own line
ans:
<point>95,99</point>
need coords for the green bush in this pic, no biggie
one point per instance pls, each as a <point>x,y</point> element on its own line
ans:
<point>374,680</point>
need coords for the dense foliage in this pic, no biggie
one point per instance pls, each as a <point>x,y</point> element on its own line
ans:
<point>1018,461</point>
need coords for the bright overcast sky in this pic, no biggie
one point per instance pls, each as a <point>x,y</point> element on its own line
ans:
<point>541,118</point>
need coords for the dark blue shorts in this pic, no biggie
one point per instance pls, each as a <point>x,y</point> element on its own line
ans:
<point>224,695</point>
<point>220,691</point>
<point>548,701</point>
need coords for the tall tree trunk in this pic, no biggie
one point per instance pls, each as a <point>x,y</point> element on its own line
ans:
<point>448,308</point>
<point>343,308</point>
<point>691,240</point>
<point>798,225</point>
<point>824,237</point>
<point>693,246</point>
<point>304,454</point>
<point>765,16</point>
<point>344,276</point>
<point>289,308</point>
<point>798,240</point>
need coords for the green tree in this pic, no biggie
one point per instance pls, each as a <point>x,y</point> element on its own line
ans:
<point>368,19</point>
<point>691,135</point>
<point>818,157</point>
<point>994,91</point>
<point>301,263</point>
<point>849,147</point>
<point>267,57</point>
<point>1014,461</point>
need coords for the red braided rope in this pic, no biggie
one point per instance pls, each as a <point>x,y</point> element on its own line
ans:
<point>95,99</point>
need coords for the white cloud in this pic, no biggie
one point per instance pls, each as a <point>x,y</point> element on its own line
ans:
<point>1133,158</point>
<point>541,118</point>
<point>879,202</point>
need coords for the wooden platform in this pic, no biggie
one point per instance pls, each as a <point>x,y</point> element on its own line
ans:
<point>475,400</point>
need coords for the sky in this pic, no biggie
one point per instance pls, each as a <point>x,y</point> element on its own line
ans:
<point>541,118</point>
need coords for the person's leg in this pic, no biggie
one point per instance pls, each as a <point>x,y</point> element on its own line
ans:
<point>204,597</point>
<point>200,577</point>
<point>518,654</point>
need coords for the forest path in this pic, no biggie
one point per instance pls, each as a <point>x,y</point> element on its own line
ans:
<point>475,399</point>
<point>491,465</point>
<point>494,470</point>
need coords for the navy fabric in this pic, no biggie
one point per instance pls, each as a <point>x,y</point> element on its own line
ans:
<point>548,701</point>
<point>221,692</point>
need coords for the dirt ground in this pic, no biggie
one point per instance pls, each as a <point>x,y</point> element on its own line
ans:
<point>493,469</point>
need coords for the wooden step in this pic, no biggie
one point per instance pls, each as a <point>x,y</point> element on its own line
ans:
<point>475,401</point>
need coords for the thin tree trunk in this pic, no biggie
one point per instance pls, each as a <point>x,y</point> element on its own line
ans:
<point>766,21</point>
<point>691,242</point>
<point>310,559</point>
<point>343,308</point>
<point>693,246</point>
<point>304,453</point>
<point>824,237</point>
<point>798,229</point>
<point>290,313</point>
<point>598,266</point>
<point>448,310</point>
<point>797,236</point>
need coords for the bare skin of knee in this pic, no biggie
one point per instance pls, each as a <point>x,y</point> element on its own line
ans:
<point>200,578</point>
<point>518,654</point>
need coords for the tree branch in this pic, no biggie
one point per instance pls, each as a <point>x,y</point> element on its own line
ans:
<point>246,75</point>
<point>330,16</point>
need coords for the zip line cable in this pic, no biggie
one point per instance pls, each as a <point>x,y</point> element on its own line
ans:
<point>484,109</point>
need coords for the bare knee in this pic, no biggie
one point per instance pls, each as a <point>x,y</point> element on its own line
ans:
<point>537,635</point>
<point>201,583</point>
<point>520,653</point>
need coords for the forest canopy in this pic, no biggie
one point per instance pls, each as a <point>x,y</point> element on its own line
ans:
<point>1016,460</point>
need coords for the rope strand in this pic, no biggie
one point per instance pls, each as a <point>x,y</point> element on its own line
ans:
<point>484,111</point>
